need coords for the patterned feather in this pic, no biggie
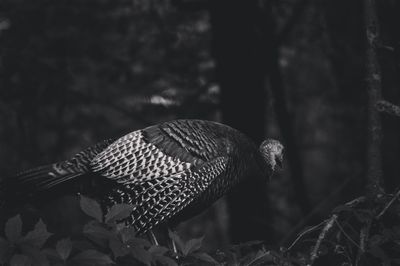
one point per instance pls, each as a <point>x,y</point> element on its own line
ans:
<point>165,170</point>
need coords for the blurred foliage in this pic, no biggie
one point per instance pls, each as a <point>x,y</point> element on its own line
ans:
<point>71,64</point>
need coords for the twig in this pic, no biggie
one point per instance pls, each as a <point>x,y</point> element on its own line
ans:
<point>374,89</point>
<point>321,237</point>
<point>386,48</point>
<point>395,197</point>
<point>305,232</point>
<point>346,235</point>
<point>267,253</point>
<point>364,234</point>
<point>355,202</point>
<point>316,209</point>
<point>387,107</point>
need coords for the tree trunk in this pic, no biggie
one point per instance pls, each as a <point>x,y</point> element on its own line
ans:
<point>374,90</point>
<point>240,53</point>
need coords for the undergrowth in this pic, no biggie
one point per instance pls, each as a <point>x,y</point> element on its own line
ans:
<point>355,234</point>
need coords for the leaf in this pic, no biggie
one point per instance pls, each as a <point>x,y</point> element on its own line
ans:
<point>51,254</point>
<point>249,244</point>
<point>139,242</point>
<point>245,245</point>
<point>205,257</point>
<point>118,212</point>
<point>261,257</point>
<point>178,241</point>
<point>118,248</point>
<point>13,228</point>
<point>103,243</point>
<point>38,236</point>
<point>127,233</point>
<point>37,257</point>
<point>91,208</point>
<point>82,245</point>
<point>378,252</point>
<point>64,247</point>
<point>97,230</point>
<point>141,255</point>
<point>158,250</point>
<point>20,260</point>
<point>192,245</point>
<point>166,261</point>
<point>91,257</point>
<point>118,226</point>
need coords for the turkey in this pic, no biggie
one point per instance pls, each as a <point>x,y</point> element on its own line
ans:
<point>169,171</point>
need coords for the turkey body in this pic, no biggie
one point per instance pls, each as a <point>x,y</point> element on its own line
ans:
<point>169,171</point>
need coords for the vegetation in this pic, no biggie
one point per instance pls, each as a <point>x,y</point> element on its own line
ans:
<point>107,240</point>
<point>319,75</point>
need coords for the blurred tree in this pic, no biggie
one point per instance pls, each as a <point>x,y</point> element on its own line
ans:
<point>389,55</point>
<point>285,118</point>
<point>240,51</point>
<point>344,49</point>
<point>76,72</point>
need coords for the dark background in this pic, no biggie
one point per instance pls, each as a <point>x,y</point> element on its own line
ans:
<point>75,72</point>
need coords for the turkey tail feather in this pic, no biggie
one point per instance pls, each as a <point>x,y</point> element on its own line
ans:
<point>31,183</point>
<point>49,179</point>
<point>43,178</point>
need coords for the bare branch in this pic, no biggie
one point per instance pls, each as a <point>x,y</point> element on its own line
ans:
<point>328,225</point>
<point>355,202</point>
<point>364,235</point>
<point>308,230</point>
<point>317,209</point>
<point>387,107</point>
<point>374,89</point>
<point>395,197</point>
<point>346,235</point>
<point>386,48</point>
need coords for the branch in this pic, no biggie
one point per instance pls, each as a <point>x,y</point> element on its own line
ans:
<point>395,197</point>
<point>308,230</point>
<point>374,89</point>
<point>387,107</point>
<point>386,48</point>
<point>317,209</point>
<point>328,225</point>
<point>346,235</point>
<point>364,235</point>
<point>355,202</point>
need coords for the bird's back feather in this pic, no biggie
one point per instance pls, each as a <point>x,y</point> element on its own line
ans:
<point>162,168</point>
